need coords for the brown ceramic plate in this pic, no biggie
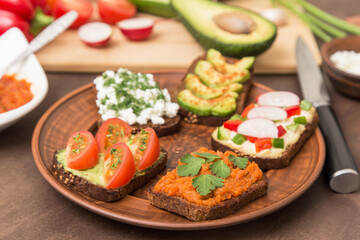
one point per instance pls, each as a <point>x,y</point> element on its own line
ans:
<point>77,111</point>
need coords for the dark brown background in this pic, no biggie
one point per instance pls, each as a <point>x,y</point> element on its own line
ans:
<point>31,209</point>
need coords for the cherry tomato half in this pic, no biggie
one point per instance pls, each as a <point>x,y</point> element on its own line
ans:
<point>112,131</point>
<point>83,7</point>
<point>81,151</point>
<point>145,148</point>
<point>119,165</point>
<point>113,11</point>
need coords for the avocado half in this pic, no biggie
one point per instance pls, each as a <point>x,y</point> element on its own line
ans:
<point>197,16</point>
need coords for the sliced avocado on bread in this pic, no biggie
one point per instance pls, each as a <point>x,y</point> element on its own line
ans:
<point>210,97</point>
<point>212,78</point>
<point>193,83</point>
<point>234,31</point>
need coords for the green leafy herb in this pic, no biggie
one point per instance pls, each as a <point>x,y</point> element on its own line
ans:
<point>192,167</point>
<point>204,184</point>
<point>240,162</point>
<point>220,169</point>
<point>238,139</point>
<point>208,156</point>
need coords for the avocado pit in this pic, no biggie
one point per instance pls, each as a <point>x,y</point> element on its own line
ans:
<point>234,22</point>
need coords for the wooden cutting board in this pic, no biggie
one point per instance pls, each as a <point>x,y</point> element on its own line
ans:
<point>170,47</point>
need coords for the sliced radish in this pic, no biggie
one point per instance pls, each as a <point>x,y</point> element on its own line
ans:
<point>258,127</point>
<point>136,29</point>
<point>271,113</point>
<point>278,99</point>
<point>95,34</point>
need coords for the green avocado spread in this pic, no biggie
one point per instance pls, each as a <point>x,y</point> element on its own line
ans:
<point>93,175</point>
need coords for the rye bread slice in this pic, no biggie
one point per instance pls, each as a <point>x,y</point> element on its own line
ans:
<point>170,126</point>
<point>103,194</point>
<point>279,162</point>
<point>212,120</point>
<point>195,212</point>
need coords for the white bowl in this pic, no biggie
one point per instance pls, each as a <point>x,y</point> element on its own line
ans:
<point>12,43</point>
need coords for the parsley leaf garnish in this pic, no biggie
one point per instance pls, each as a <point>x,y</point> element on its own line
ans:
<point>204,184</point>
<point>208,156</point>
<point>220,169</point>
<point>240,162</point>
<point>192,167</point>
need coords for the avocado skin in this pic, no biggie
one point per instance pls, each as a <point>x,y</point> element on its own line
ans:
<point>230,50</point>
<point>221,106</point>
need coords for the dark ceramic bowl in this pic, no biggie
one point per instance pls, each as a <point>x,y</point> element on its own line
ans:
<point>344,82</point>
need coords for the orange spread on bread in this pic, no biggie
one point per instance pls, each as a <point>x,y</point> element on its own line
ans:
<point>238,182</point>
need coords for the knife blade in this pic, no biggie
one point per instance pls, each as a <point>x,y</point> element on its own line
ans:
<point>43,38</point>
<point>340,165</point>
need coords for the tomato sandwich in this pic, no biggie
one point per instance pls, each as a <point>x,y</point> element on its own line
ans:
<point>112,164</point>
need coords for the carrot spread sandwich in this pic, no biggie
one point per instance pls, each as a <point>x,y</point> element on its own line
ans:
<point>136,99</point>
<point>269,132</point>
<point>111,165</point>
<point>214,88</point>
<point>208,185</point>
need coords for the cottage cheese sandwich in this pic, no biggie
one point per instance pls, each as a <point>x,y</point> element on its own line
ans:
<point>136,99</point>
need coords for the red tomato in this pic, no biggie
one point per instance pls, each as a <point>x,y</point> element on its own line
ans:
<point>112,131</point>
<point>83,7</point>
<point>247,109</point>
<point>262,144</point>
<point>119,165</point>
<point>113,11</point>
<point>232,124</point>
<point>9,20</point>
<point>281,131</point>
<point>145,148</point>
<point>22,8</point>
<point>293,110</point>
<point>81,151</point>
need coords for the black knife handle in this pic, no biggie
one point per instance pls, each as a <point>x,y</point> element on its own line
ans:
<point>341,167</point>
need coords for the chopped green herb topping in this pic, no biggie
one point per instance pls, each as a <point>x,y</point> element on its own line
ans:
<point>204,184</point>
<point>192,167</point>
<point>240,162</point>
<point>220,169</point>
<point>208,156</point>
<point>116,153</point>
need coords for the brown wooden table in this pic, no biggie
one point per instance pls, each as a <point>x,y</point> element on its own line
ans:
<point>31,209</point>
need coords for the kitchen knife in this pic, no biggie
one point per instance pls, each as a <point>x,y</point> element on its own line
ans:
<point>43,38</point>
<point>340,165</point>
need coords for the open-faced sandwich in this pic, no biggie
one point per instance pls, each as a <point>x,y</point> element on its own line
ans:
<point>269,132</point>
<point>214,88</point>
<point>111,165</point>
<point>208,185</point>
<point>136,99</point>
